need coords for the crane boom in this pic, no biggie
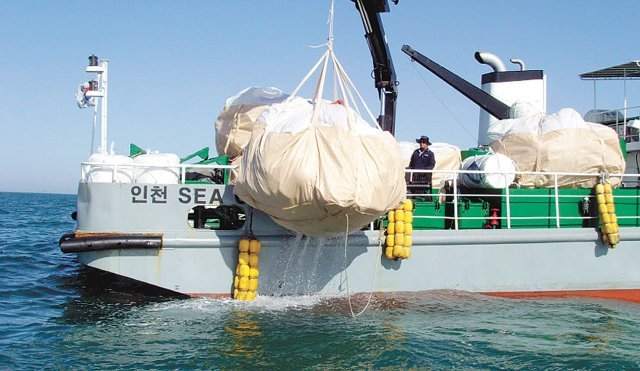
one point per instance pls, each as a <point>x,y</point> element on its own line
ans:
<point>383,71</point>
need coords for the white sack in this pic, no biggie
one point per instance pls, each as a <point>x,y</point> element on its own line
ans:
<point>500,171</point>
<point>308,178</point>
<point>561,142</point>
<point>238,116</point>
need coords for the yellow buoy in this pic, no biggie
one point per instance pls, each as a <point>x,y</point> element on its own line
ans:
<point>611,208</point>
<point>388,252</point>
<point>602,208</point>
<point>408,217</point>
<point>605,218</point>
<point>254,246</point>
<point>235,293</point>
<point>253,260</point>
<point>244,270</point>
<point>614,238</point>
<point>243,245</point>
<point>408,206</point>
<point>399,227</point>
<point>613,218</point>
<point>399,240</point>
<point>407,241</point>
<point>601,199</point>
<point>391,228</point>
<point>408,229</point>
<point>253,284</point>
<point>615,228</point>
<point>253,273</point>
<point>242,295</point>
<point>406,253</point>
<point>243,258</point>
<point>391,240</point>
<point>608,198</point>
<point>244,284</point>
<point>599,189</point>
<point>250,296</point>
<point>236,282</point>
<point>606,188</point>
<point>398,251</point>
<point>391,216</point>
<point>399,216</point>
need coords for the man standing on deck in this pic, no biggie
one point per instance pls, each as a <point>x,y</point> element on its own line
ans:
<point>422,159</point>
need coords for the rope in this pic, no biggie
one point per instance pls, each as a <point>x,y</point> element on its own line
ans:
<point>455,118</point>
<point>346,276</point>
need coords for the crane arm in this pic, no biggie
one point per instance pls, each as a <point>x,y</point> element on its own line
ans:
<point>383,71</point>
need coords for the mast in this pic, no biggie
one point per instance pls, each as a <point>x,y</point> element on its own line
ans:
<point>99,90</point>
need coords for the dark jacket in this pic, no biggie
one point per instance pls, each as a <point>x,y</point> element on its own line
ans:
<point>424,160</point>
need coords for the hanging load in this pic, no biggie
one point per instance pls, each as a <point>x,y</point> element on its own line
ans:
<point>316,166</point>
<point>447,158</point>
<point>561,142</point>
<point>236,121</point>
<point>238,116</point>
<point>497,172</point>
<point>309,177</point>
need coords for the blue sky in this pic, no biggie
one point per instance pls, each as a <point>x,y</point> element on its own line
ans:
<point>173,64</point>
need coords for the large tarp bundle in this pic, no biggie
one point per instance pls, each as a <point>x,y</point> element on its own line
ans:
<point>239,114</point>
<point>561,142</point>
<point>309,176</point>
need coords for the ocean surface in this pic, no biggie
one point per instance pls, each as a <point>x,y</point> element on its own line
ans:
<point>57,314</point>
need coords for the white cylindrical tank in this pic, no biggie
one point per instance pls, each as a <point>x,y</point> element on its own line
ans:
<point>498,171</point>
<point>157,168</point>
<point>108,169</point>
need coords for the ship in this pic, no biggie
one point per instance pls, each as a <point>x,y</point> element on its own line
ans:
<point>176,223</point>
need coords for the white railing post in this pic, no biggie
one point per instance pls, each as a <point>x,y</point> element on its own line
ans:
<point>114,173</point>
<point>557,199</point>
<point>508,194</point>
<point>455,199</point>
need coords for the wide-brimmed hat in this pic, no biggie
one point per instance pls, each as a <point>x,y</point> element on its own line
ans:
<point>423,138</point>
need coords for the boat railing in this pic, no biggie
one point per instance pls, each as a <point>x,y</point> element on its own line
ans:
<point>99,172</point>
<point>506,197</point>
<point>625,121</point>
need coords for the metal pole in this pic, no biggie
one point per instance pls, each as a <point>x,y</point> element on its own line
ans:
<point>508,194</point>
<point>455,199</point>
<point>104,79</point>
<point>557,197</point>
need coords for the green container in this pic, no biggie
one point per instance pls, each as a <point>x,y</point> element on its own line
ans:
<point>437,215</point>
<point>473,214</point>
<point>537,208</point>
<point>428,215</point>
<point>626,202</point>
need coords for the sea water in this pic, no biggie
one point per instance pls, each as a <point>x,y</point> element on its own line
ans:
<point>55,313</point>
